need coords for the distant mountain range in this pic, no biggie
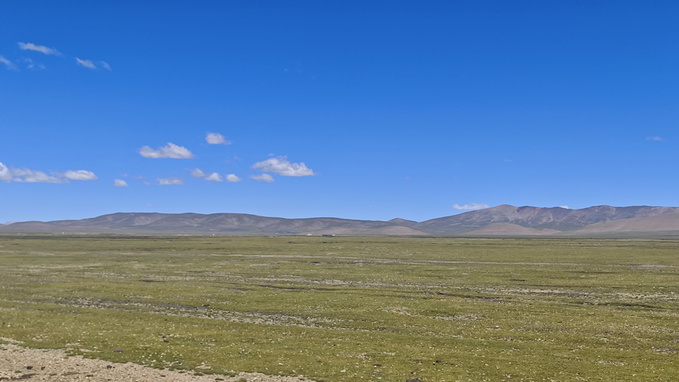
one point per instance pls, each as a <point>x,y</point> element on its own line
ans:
<point>504,220</point>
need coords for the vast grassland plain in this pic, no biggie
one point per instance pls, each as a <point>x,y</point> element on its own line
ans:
<point>348,308</point>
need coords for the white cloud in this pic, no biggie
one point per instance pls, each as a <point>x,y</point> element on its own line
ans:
<point>38,48</point>
<point>216,139</point>
<point>8,64</point>
<point>86,63</point>
<point>105,65</point>
<point>197,173</point>
<point>33,176</point>
<point>654,139</point>
<point>170,181</point>
<point>565,207</point>
<point>470,206</point>
<point>262,178</point>
<point>119,183</point>
<point>283,167</point>
<point>168,151</point>
<point>80,175</point>
<point>233,178</point>
<point>27,175</point>
<point>214,177</point>
<point>5,174</point>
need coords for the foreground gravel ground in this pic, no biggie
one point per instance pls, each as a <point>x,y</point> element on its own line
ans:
<point>18,363</point>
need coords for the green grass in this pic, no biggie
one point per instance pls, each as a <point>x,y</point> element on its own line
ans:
<point>347,309</point>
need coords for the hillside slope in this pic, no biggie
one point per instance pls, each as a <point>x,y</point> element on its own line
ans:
<point>501,220</point>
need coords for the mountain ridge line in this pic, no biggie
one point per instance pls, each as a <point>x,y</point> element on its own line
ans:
<point>502,220</point>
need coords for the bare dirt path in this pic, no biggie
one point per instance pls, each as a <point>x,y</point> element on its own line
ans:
<point>18,363</point>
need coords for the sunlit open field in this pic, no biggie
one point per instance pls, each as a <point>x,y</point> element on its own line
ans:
<point>348,309</point>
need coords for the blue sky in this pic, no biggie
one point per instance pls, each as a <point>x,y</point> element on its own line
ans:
<point>369,110</point>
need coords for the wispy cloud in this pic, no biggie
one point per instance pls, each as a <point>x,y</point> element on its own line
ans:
<point>170,181</point>
<point>282,166</point>
<point>25,62</point>
<point>8,64</point>
<point>119,183</point>
<point>214,177</point>
<point>86,63</point>
<point>38,48</point>
<point>89,64</point>
<point>27,175</point>
<point>233,178</point>
<point>168,151</point>
<point>216,139</point>
<point>80,175</point>
<point>32,65</point>
<point>262,178</point>
<point>470,206</point>
<point>654,139</point>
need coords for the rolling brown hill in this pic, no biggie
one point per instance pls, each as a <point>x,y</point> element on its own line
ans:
<point>556,218</point>
<point>504,220</point>
<point>650,224</point>
<point>509,229</point>
<point>222,223</point>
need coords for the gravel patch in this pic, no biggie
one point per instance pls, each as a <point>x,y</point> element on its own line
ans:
<point>18,363</point>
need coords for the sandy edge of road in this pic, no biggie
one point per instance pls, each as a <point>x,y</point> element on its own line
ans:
<point>19,363</point>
